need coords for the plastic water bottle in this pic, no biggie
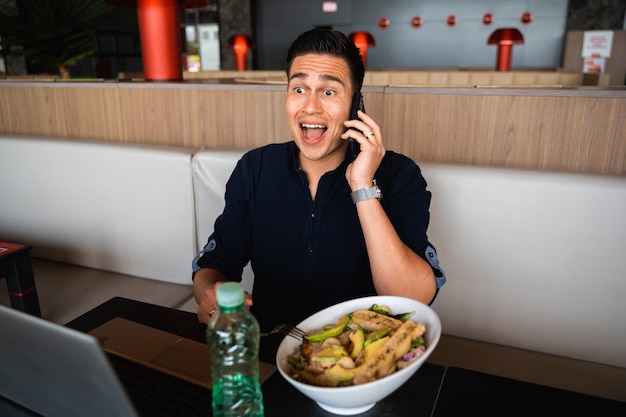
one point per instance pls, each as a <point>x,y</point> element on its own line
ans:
<point>233,339</point>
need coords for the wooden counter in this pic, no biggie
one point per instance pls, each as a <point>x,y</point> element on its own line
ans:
<point>575,129</point>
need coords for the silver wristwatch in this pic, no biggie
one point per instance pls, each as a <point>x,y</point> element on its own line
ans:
<point>366,193</point>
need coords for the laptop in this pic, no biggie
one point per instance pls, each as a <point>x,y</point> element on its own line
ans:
<point>52,370</point>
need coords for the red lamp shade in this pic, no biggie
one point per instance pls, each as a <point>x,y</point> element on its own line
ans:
<point>363,40</point>
<point>240,45</point>
<point>505,38</point>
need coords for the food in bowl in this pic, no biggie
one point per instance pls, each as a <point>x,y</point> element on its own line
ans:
<point>355,399</point>
<point>362,346</point>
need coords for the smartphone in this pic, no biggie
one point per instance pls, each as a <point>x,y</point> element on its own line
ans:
<point>357,104</point>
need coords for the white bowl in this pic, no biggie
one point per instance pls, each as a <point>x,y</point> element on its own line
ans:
<point>357,399</point>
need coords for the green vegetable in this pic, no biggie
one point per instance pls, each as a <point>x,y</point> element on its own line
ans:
<point>380,309</point>
<point>331,354</point>
<point>404,316</point>
<point>297,362</point>
<point>417,343</point>
<point>387,312</point>
<point>357,337</point>
<point>374,336</point>
<point>330,331</point>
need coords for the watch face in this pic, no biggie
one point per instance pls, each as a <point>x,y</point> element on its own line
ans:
<point>379,193</point>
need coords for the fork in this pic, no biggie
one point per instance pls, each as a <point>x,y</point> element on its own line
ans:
<point>288,330</point>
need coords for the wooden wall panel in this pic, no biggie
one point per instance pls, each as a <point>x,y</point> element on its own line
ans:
<point>477,78</point>
<point>88,111</point>
<point>20,115</point>
<point>575,130</point>
<point>159,114</point>
<point>66,110</point>
<point>243,119</point>
<point>197,116</point>
<point>545,132</point>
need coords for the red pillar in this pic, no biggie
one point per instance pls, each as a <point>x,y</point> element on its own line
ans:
<point>159,27</point>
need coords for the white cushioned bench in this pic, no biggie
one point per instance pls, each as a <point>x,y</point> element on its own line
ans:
<point>104,220</point>
<point>534,260</point>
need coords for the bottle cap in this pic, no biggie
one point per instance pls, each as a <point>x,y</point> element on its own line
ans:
<point>230,294</point>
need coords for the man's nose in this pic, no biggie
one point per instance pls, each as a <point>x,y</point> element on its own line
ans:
<point>312,104</point>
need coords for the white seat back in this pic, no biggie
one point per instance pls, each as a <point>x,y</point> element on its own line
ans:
<point>117,207</point>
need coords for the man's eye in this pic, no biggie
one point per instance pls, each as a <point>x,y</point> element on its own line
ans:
<point>328,93</point>
<point>299,90</point>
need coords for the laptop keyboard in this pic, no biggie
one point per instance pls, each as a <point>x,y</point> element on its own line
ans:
<point>155,393</point>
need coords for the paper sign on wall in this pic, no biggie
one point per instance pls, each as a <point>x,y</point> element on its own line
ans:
<point>597,44</point>
<point>594,65</point>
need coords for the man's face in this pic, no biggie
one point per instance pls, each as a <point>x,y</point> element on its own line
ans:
<point>319,96</point>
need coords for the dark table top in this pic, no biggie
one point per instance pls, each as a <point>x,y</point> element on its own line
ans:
<point>466,392</point>
<point>432,391</point>
<point>415,398</point>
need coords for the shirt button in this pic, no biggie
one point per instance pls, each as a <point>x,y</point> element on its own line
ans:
<point>309,249</point>
<point>313,215</point>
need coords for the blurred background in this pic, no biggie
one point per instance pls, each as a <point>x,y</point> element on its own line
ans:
<point>415,34</point>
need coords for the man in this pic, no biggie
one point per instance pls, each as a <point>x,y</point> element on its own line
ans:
<point>308,215</point>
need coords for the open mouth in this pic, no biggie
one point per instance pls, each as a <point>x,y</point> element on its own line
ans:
<point>312,131</point>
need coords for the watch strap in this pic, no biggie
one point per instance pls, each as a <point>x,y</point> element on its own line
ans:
<point>366,193</point>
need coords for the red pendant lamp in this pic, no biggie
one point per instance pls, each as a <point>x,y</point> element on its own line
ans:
<point>363,40</point>
<point>505,38</point>
<point>240,44</point>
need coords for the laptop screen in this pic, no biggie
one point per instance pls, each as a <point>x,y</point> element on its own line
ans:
<point>53,370</point>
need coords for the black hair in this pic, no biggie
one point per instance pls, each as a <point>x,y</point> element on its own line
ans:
<point>329,42</point>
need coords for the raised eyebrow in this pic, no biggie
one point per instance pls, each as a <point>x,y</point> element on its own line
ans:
<point>300,75</point>
<point>324,77</point>
<point>328,77</point>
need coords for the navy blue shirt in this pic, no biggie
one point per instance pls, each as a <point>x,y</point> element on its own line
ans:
<point>307,255</point>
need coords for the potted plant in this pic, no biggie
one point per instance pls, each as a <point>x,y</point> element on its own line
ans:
<point>52,32</point>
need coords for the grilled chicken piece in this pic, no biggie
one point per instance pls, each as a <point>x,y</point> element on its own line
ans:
<point>382,363</point>
<point>373,321</point>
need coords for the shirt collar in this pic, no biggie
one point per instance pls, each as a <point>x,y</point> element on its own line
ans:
<point>294,152</point>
